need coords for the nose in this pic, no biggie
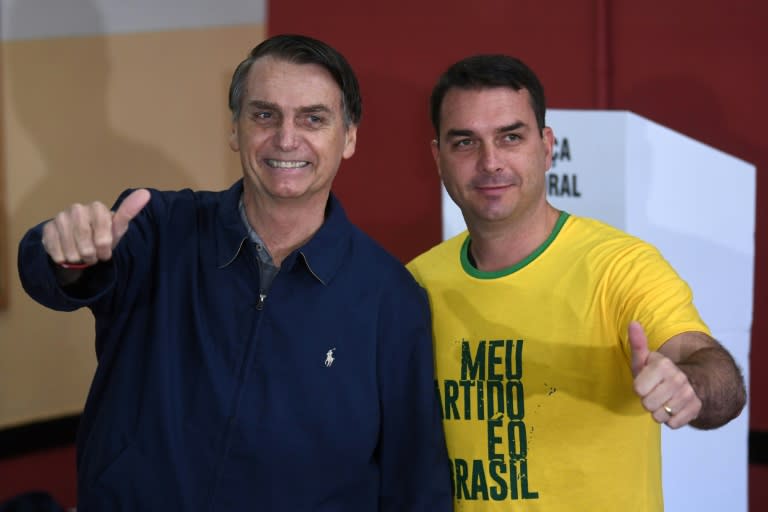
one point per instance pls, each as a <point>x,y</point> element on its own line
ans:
<point>490,159</point>
<point>286,137</point>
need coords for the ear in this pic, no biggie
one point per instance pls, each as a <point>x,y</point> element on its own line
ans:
<point>548,139</point>
<point>234,140</point>
<point>435,147</point>
<point>350,141</point>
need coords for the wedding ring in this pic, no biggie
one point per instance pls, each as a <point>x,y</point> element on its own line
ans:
<point>669,410</point>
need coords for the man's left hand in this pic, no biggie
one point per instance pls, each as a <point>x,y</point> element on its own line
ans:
<point>662,386</point>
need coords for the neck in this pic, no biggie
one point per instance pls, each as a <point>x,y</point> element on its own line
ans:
<point>498,246</point>
<point>284,225</point>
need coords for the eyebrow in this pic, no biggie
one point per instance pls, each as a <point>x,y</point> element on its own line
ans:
<point>455,132</point>
<point>452,133</point>
<point>511,127</point>
<point>316,108</point>
<point>267,105</point>
<point>263,104</point>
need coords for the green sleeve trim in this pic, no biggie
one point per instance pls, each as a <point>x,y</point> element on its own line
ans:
<point>474,272</point>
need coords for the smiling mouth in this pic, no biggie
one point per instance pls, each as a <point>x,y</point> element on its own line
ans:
<point>287,164</point>
<point>494,182</point>
<point>490,187</point>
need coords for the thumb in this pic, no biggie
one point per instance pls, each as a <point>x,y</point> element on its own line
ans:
<point>129,208</point>
<point>638,342</point>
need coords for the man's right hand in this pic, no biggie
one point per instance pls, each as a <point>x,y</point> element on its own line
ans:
<point>89,233</point>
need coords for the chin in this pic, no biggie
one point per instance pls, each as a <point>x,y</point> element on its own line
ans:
<point>290,194</point>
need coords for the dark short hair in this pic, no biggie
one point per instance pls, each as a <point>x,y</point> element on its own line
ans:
<point>487,71</point>
<point>301,50</point>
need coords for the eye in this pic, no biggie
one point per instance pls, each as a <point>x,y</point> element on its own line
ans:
<point>315,120</point>
<point>262,115</point>
<point>462,143</point>
<point>511,137</point>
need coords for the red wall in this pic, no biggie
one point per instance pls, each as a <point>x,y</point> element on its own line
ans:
<point>51,471</point>
<point>390,187</point>
<point>697,66</point>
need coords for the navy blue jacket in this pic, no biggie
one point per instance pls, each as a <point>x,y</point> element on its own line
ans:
<point>319,398</point>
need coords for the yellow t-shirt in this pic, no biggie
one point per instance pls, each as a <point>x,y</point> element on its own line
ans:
<point>533,370</point>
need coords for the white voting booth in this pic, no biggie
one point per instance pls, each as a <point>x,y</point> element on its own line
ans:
<point>697,205</point>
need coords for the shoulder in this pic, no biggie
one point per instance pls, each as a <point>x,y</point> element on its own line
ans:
<point>374,275</point>
<point>383,267</point>
<point>597,237</point>
<point>443,257</point>
<point>594,229</point>
<point>174,203</point>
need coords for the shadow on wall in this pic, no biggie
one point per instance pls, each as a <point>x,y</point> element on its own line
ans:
<point>58,90</point>
<point>61,148</point>
<point>32,502</point>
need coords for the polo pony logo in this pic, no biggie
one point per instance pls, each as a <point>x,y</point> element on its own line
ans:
<point>329,359</point>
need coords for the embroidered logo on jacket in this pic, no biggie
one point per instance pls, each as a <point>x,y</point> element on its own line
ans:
<point>329,359</point>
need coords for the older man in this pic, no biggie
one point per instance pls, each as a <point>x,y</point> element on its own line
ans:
<point>256,351</point>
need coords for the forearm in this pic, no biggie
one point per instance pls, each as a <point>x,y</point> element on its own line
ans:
<point>717,381</point>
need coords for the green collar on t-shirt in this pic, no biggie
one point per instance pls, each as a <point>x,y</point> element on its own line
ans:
<point>470,268</point>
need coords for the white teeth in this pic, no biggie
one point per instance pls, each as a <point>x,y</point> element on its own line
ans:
<point>287,164</point>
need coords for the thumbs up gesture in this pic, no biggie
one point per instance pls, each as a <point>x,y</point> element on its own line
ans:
<point>83,235</point>
<point>663,387</point>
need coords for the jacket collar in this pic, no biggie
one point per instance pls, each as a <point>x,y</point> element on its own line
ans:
<point>322,255</point>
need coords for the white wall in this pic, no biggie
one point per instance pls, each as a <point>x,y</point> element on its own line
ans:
<point>25,19</point>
